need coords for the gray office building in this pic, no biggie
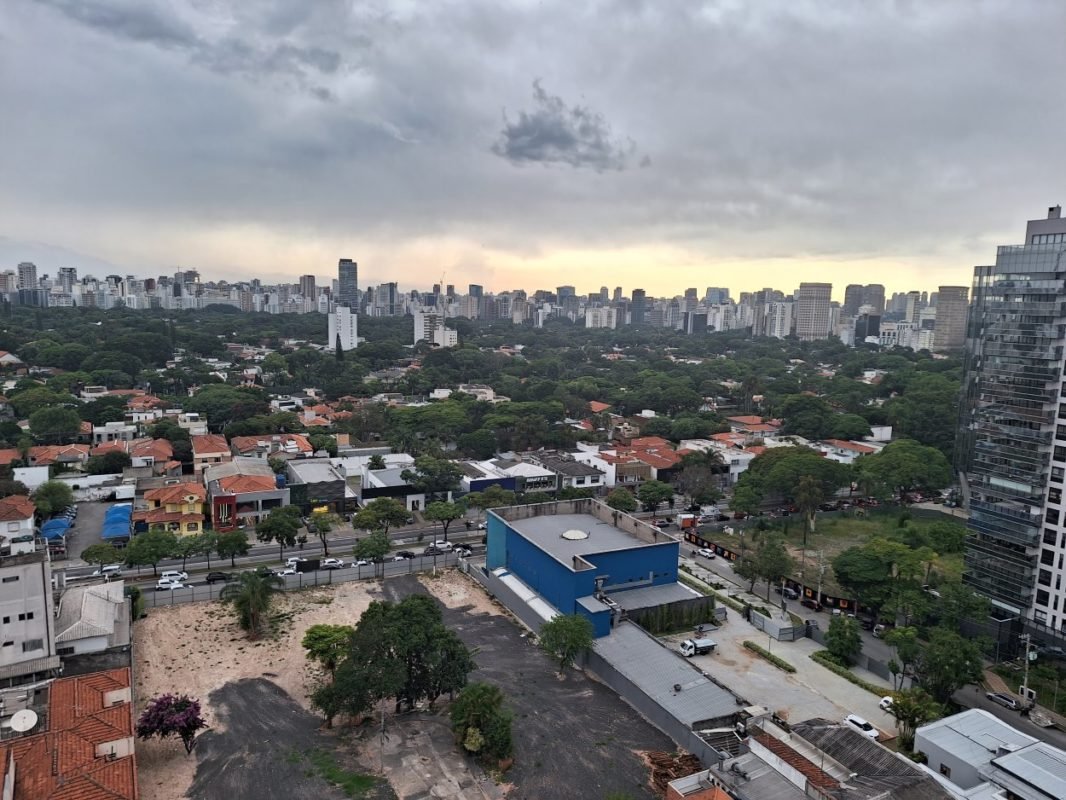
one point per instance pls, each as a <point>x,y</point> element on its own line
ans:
<point>347,283</point>
<point>1011,445</point>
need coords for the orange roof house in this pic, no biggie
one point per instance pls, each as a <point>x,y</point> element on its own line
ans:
<point>209,449</point>
<point>16,507</point>
<point>596,407</point>
<point>69,454</point>
<point>87,750</point>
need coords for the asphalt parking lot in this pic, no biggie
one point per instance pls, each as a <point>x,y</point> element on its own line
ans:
<point>573,737</point>
<point>86,529</point>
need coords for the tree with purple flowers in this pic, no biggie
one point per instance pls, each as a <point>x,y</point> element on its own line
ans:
<point>172,715</point>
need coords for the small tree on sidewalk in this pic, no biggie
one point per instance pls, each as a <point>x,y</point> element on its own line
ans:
<point>565,637</point>
<point>843,640</point>
<point>172,715</point>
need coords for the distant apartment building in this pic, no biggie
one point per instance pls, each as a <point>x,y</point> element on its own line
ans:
<point>343,327</point>
<point>27,275</point>
<point>952,305</point>
<point>308,289</point>
<point>347,283</point>
<point>813,317</point>
<point>1011,445</point>
<point>606,317</point>
<point>777,320</point>
<point>429,327</point>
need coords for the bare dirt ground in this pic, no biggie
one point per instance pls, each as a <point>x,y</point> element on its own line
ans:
<point>197,649</point>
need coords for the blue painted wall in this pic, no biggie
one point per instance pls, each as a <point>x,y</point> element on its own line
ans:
<point>601,622</point>
<point>657,562</point>
<point>482,484</point>
<point>496,548</point>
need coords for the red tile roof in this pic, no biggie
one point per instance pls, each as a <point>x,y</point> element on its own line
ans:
<point>16,507</point>
<point>249,444</point>
<point>46,455</point>
<point>9,454</point>
<point>209,444</point>
<point>85,712</point>
<point>745,420</point>
<point>646,442</point>
<point>814,774</point>
<point>596,407</point>
<point>241,484</point>
<point>845,445</point>
<point>176,493</point>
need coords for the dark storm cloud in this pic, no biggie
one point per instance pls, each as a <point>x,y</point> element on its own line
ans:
<point>145,22</point>
<point>555,133</point>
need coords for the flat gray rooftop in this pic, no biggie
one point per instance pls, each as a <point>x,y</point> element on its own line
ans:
<point>315,471</point>
<point>546,532</point>
<point>655,670</point>
<point>651,596</point>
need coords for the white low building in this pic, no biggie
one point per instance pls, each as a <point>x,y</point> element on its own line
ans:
<point>92,619</point>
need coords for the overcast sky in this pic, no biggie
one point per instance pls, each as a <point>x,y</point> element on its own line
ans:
<point>653,144</point>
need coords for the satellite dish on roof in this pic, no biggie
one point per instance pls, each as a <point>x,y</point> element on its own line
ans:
<point>23,721</point>
<point>575,535</point>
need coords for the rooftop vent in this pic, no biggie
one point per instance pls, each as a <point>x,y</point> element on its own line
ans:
<point>575,535</point>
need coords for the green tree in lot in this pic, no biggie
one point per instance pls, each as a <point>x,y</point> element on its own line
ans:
<point>372,548</point>
<point>322,441</point>
<point>957,602</point>
<point>282,526</point>
<point>878,572</point>
<point>108,464</point>
<point>55,424</point>
<point>946,663</point>
<point>328,645</point>
<point>51,497</point>
<point>149,548</point>
<point>906,465</point>
<point>772,561</point>
<point>27,402</point>
<point>251,596</point>
<point>698,482</point>
<point>843,640</point>
<point>433,476</point>
<point>493,497</point>
<point>905,641</point>
<point>747,498</point>
<point>653,494</point>
<point>323,523</point>
<point>808,496</point>
<point>101,554</point>
<point>185,547</point>
<point>232,544</point>
<point>913,708</point>
<point>380,515</point>
<point>925,410</point>
<point>565,637</point>
<point>622,500</point>
<point>481,724</point>
<point>445,513</point>
<point>746,567</point>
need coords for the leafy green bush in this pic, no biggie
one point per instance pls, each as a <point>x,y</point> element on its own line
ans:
<point>824,658</point>
<point>780,663</point>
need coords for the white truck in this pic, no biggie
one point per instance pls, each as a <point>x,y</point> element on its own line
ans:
<point>697,647</point>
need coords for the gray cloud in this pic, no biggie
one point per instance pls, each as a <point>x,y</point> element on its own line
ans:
<point>555,133</point>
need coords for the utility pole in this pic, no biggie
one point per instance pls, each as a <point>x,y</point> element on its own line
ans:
<point>821,574</point>
<point>1025,674</point>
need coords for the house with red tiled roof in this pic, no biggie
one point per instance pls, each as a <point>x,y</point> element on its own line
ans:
<point>242,492</point>
<point>72,456</point>
<point>596,407</point>
<point>843,451</point>
<point>179,508</point>
<point>86,748</point>
<point>208,450</point>
<point>9,454</point>
<point>280,445</point>
<point>16,523</point>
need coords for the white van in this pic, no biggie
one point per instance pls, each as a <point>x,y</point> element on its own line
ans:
<point>697,647</point>
<point>108,571</point>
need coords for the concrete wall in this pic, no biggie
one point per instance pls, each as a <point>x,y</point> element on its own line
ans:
<point>500,591</point>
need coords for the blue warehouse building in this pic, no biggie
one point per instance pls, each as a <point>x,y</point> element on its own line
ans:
<point>581,556</point>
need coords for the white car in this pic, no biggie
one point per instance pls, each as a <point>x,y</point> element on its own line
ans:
<point>463,550</point>
<point>705,552</point>
<point>443,546</point>
<point>362,562</point>
<point>283,573</point>
<point>886,704</point>
<point>173,575</point>
<point>861,725</point>
<point>108,571</point>
<point>332,563</point>
<point>164,585</point>
<point>292,562</point>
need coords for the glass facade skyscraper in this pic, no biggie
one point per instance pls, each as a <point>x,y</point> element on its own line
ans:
<point>1011,448</point>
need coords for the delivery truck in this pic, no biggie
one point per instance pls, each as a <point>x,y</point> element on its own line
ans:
<point>697,647</point>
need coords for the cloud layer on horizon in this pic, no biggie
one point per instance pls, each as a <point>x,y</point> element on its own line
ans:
<point>725,141</point>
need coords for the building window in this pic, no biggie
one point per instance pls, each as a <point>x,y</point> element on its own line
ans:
<point>8,644</point>
<point>1051,515</point>
<point>10,579</point>
<point>1047,557</point>
<point>1042,597</point>
<point>1050,536</point>
<point>194,526</point>
<point>12,526</point>
<point>945,770</point>
<point>1056,474</point>
<point>1040,616</point>
<point>64,651</point>
<point>26,616</point>
<point>1054,496</point>
<point>30,645</point>
<point>1045,577</point>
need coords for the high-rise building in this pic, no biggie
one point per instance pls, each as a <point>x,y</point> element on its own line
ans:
<point>854,298</point>
<point>565,291</point>
<point>913,306</point>
<point>952,303</point>
<point>347,283</point>
<point>307,287</point>
<point>27,275</point>
<point>637,307</point>
<point>68,276</point>
<point>429,327</point>
<point>716,295</point>
<point>1010,449</point>
<point>812,311</point>
<point>617,294</point>
<point>875,297</point>
<point>474,290</point>
<point>343,329</point>
<point>776,319</point>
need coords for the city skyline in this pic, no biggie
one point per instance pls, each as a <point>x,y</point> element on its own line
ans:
<point>727,145</point>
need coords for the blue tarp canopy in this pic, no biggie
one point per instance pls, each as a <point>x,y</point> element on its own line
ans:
<point>116,530</point>
<point>54,528</point>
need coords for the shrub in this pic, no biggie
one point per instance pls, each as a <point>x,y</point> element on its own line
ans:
<point>825,659</point>
<point>780,663</point>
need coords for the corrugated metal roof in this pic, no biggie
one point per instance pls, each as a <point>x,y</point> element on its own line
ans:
<point>656,670</point>
<point>973,736</point>
<point>1040,766</point>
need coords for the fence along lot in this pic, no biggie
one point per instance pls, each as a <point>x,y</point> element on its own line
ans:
<point>305,580</point>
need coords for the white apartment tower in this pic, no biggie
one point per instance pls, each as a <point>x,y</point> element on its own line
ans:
<point>429,327</point>
<point>813,317</point>
<point>343,324</point>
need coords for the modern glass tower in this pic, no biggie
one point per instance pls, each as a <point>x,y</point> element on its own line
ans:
<point>1012,437</point>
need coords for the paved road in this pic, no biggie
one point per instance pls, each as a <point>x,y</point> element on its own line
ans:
<point>974,697</point>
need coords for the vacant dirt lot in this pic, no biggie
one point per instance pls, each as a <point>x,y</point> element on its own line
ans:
<point>197,649</point>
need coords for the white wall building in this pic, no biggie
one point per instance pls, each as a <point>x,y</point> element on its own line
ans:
<point>343,323</point>
<point>429,327</point>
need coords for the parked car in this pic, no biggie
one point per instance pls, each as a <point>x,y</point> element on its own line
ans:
<point>705,552</point>
<point>332,563</point>
<point>443,546</point>
<point>362,562</point>
<point>827,507</point>
<point>218,577</point>
<point>886,704</point>
<point>167,585</point>
<point>811,603</point>
<point>292,562</point>
<point>861,725</point>
<point>284,573</point>
<point>661,524</point>
<point>403,555</point>
<point>432,550</point>
<point>787,592</point>
<point>879,631</point>
<point>463,550</point>
<point>723,518</point>
<point>173,575</point>
<point>812,623</point>
<point>1004,700</point>
<point>108,571</point>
